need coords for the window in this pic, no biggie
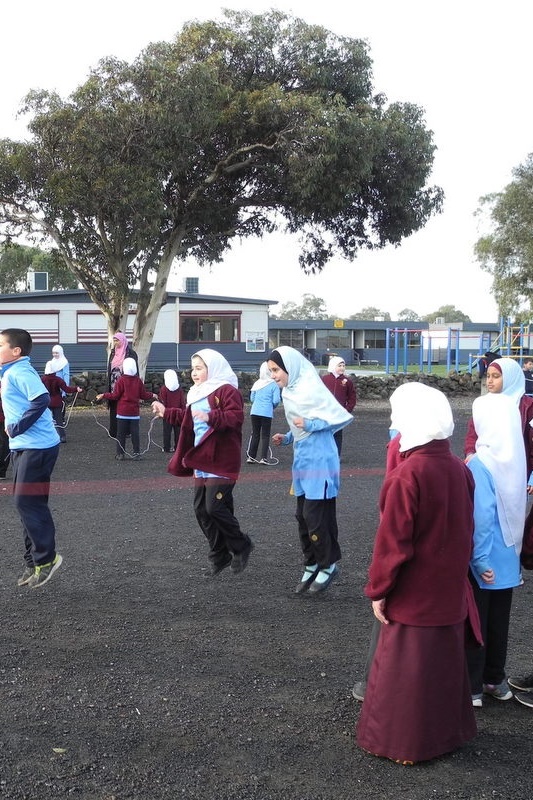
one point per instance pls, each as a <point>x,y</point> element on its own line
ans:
<point>292,338</point>
<point>210,328</point>
<point>375,339</point>
<point>333,340</point>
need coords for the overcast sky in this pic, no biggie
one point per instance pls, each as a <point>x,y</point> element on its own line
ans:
<point>468,63</point>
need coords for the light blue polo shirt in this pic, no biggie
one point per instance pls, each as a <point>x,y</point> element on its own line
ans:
<point>20,385</point>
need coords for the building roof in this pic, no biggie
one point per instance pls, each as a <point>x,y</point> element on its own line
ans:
<point>82,296</point>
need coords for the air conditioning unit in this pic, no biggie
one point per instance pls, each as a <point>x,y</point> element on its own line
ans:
<point>191,285</point>
<point>38,281</point>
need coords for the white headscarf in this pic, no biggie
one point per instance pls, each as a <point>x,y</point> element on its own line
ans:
<point>334,363</point>
<point>171,379</point>
<point>219,373</point>
<point>514,380</point>
<point>264,378</point>
<point>307,396</point>
<point>129,367</point>
<point>500,447</point>
<point>421,414</point>
<point>56,364</point>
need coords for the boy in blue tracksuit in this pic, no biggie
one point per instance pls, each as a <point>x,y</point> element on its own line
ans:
<point>34,446</point>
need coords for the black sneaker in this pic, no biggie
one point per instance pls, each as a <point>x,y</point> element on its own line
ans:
<point>523,684</point>
<point>240,560</point>
<point>43,573</point>
<point>526,698</point>
<point>217,567</point>
<point>26,575</point>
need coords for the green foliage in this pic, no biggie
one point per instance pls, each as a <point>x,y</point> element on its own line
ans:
<point>237,128</point>
<point>16,261</point>
<point>372,313</point>
<point>507,252</point>
<point>449,313</point>
<point>311,307</point>
<point>408,315</point>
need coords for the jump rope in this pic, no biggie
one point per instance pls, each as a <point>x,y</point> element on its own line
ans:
<point>271,462</point>
<point>150,440</point>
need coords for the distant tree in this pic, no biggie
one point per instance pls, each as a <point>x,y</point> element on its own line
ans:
<point>449,313</point>
<point>233,129</point>
<point>371,312</point>
<point>507,252</point>
<point>408,315</point>
<point>311,307</point>
<point>17,260</point>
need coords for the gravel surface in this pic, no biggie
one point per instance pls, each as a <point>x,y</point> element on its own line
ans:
<point>130,675</point>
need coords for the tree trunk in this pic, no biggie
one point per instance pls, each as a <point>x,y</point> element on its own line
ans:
<point>149,303</point>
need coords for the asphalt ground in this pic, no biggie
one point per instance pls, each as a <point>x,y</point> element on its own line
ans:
<point>130,675</point>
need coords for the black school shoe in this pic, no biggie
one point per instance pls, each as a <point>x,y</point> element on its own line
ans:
<point>240,560</point>
<point>217,567</point>
<point>310,574</point>
<point>323,579</point>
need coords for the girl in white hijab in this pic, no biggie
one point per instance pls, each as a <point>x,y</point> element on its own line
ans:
<point>210,448</point>
<point>58,364</point>
<point>265,396</point>
<point>313,416</point>
<point>171,396</point>
<point>499,470</point>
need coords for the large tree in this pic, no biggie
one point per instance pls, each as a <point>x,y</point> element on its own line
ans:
<point>507,252</point>
<point>448,313</point>
<point>16,261</point>
<point>234,129</point>
<point>408,315</point>
<point>311,307</point>
<point>371,313</point>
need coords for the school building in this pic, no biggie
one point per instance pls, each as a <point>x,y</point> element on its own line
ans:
<point>240,328</point>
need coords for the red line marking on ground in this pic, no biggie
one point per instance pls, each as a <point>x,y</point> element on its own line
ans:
<point>166,483</point>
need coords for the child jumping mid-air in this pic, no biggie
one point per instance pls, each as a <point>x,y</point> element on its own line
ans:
<point>34,446</point>
<point>209,447</point>
<point>313,416</point>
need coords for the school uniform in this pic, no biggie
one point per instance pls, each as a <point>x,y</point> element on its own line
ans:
<point>499,471</point>
<point>114,371</point>
<point>56,388</point>
<point>265,396</point>
<point>418,703</point>
<point>316,465</point>
<point>128,393</point>
<point>211,451</point>
<point>172,396</point>
<point>342,389</point>
<point>34,446</point>
<point>4,444</point>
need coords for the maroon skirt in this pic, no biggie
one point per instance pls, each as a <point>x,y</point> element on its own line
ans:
<point>418,702</point>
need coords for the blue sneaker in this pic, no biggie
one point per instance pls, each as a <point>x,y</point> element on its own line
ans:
<point>499,692</point>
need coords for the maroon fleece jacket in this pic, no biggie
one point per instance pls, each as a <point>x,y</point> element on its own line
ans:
<point>219,450</point>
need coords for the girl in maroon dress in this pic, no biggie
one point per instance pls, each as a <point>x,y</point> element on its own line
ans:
<point>417,703</point>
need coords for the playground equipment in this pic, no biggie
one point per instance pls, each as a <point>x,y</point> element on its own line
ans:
<point>407,346</point>
<point>408,341</point>
<point>513,340</point>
